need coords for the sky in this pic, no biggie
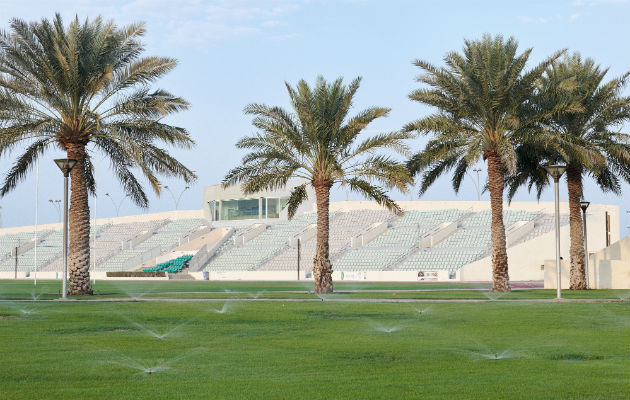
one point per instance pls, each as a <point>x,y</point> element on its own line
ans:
<point>235,52</point>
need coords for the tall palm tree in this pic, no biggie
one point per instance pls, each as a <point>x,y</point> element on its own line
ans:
<point>84,89</point>
<point>482,99</point>
<point>319,142</point>
<point>583,136</point>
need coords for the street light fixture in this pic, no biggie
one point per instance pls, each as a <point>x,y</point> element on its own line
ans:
<point>478,170</point>
<point>556,171</point>
<point>65,165</point>
<point>176,200</point>
<point>117,206</point>
<point>477,187</point>
<point>57,205</point>
<point>584,205</point>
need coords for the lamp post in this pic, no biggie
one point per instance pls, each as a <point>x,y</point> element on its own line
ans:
<point>57,205</point>
<point>65,165</point>
<point>176,200</point>
<point>116,206</point>
<point>556,172</point>
<point>478,170</point>
<point>584,205</point>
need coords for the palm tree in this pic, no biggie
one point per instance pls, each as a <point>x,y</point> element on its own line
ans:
<point>318,143</point>
<point>84,89</point>
<point>482,97</point>
<point>582,137</point>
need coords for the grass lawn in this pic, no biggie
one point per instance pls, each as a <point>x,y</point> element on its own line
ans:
<point>309,350</point>
<point>47,290</point>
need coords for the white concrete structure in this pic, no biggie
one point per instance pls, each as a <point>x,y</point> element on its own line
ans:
<point>527,252</point>
<point>608,268</point>
<point>231,204</point>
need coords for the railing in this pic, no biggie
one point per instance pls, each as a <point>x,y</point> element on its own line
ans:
<point>144,256</point>
<point>307,234</point>
<point>371,233</point>
<point>437,234</point>
<point>206,254</point>
<point>198,233</point>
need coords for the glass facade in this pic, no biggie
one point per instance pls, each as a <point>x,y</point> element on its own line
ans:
<point>239,209</point>
<point>273,207</point>
<point>229,210</point>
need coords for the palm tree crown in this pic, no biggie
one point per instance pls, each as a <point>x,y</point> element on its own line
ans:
<point>483,100</point>
<point>583,135</point>
<point>320,143</point>
<point>86,84</point>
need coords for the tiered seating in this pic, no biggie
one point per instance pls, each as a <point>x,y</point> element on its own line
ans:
<point>429,259</point>
<point>369,258</point>
<point>10,241</point>
<point>106,241</point>
<point>385,251</point>
<point>428,218</point>
<point>543,225</point>
<point>343,226</point>
<point>171,266</point>
<point>467,238</point>
<point>47,250</point>
<point>164,239</point>
<point>263,246</point>
<point>469,243</point>
<point>109,240</point>
<point>484,218</point>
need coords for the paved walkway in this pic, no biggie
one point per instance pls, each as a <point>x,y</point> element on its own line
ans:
<point>339,300</point>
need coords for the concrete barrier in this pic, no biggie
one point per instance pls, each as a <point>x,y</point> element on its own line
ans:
<point>304,236</point>
<point>517,231</point>
<point>437,234</point>
<point>369,234</point>
<point>250,234</point>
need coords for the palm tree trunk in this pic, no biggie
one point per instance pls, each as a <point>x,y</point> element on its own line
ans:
<point>496,184</point>
<point>79,222</point>
<point>322,267</point>
<point>574,183</point>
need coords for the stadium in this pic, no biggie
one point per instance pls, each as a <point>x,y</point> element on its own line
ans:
<point>237,237</point>
<point>265,284</point>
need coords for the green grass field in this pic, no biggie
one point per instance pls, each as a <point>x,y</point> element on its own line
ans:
<point>508,348</point>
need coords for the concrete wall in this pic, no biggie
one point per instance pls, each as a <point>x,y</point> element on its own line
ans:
<point>372,276</point>
<point>526,259</point>
<point>602,274</point>
<point>551,274</point>
<point>609,268</point>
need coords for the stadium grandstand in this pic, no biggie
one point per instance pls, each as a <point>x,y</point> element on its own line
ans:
<point>238,237</point>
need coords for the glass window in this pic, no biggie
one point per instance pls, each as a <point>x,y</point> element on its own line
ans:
<point>273,207</point>
<point>214,210</point>
<point>283,202</point>
<point>239,209</point>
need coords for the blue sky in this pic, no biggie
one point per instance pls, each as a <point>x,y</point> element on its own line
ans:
<point>233,53</point>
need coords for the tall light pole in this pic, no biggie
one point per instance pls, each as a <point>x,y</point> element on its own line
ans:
<point>584,205</point>
<point>36,216</point>
<point>65,165</point>
<point>478,170</point>
<point>116,206</point>
<point>57,205</point>
<point>556,171</point>
<point>176,200</point>
<point>477,187</point>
